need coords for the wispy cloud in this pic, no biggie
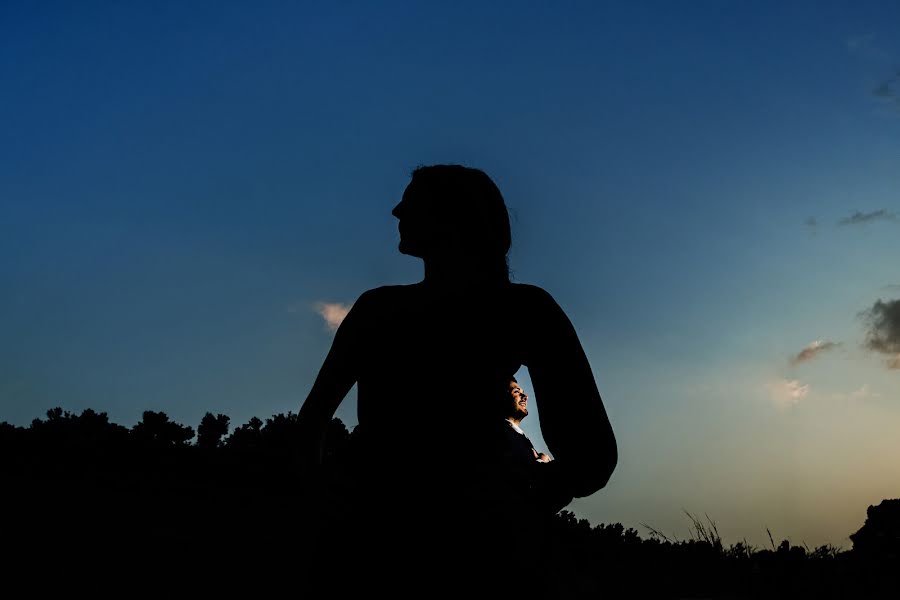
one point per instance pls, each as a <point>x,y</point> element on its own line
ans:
<point>813,350</point>
<point>811,223</point>
<point>787,392</point>
<point>332,312</point>
<point>883,333</point>
<point>865,46</point>
<point>863,392</point>
<point>855,42</point>
<point>889,90</point>
<point>861,218</point>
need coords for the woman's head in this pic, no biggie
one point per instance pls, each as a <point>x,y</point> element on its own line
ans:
<point>454,213</point>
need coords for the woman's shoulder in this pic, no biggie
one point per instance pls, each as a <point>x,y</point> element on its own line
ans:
<point>529,297</point>
<point>544,315</point>
<point>385,295</point>
<point>536,297</point>
<point>389,291</point>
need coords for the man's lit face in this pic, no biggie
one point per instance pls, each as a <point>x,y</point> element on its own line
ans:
<point>519,401</point>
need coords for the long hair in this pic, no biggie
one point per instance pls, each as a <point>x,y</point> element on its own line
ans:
<point>469,206</point>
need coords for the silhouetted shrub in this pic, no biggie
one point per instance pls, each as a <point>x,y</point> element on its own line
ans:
<point>156,429</point>
<point>211,430</point>
<point>879,537</point>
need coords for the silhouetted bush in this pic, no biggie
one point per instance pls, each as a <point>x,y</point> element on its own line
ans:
<point>211,430</point>
<point>879,537</point>
<point>156,429</point>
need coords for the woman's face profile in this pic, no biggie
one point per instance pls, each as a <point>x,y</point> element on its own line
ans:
<point>413,223</point>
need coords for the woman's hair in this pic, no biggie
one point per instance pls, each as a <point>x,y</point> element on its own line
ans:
<point>469,205</point>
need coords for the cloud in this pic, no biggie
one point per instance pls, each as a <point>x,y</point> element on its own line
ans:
<point>333,313</point>
<point>884,90</point>
<point>787,392</point>
<point>857,42</point>
<point>892,287</point>
<point>865,46</point>
<point>860,218</point>
<point>811,223</point>
<point>863,392</point>
<point>889,91</point>
<point>883,333</point>
<point>812,350</point>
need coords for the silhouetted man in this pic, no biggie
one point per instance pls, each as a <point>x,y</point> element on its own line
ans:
<point>528,471</point>
<point>518,410</point>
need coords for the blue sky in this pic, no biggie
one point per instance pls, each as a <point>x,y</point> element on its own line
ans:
<point>181,185</point>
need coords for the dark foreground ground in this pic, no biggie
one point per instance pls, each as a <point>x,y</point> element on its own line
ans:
<point>90,506</point>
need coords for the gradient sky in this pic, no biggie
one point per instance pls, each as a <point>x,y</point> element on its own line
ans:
<point>707,188</point>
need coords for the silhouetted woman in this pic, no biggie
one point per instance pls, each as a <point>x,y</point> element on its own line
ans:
<point>432,360</point>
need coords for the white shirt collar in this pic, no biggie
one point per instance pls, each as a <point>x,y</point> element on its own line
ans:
<point>516,427</point>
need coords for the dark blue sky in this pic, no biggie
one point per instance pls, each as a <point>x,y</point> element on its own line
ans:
<point>181,185</point>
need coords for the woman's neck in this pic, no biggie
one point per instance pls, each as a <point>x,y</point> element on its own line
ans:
<point>462,274</point>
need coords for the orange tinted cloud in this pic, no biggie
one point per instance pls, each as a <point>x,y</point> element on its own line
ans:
<point>812,350</point>
<point>333,313</point>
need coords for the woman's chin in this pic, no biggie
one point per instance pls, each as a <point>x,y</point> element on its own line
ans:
<point>409,249</point>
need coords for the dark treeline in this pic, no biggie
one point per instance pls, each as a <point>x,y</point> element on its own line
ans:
<point>160,502</point>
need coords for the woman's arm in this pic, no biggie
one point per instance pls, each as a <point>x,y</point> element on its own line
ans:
<point>337,375</point>
<point>573,419</point>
